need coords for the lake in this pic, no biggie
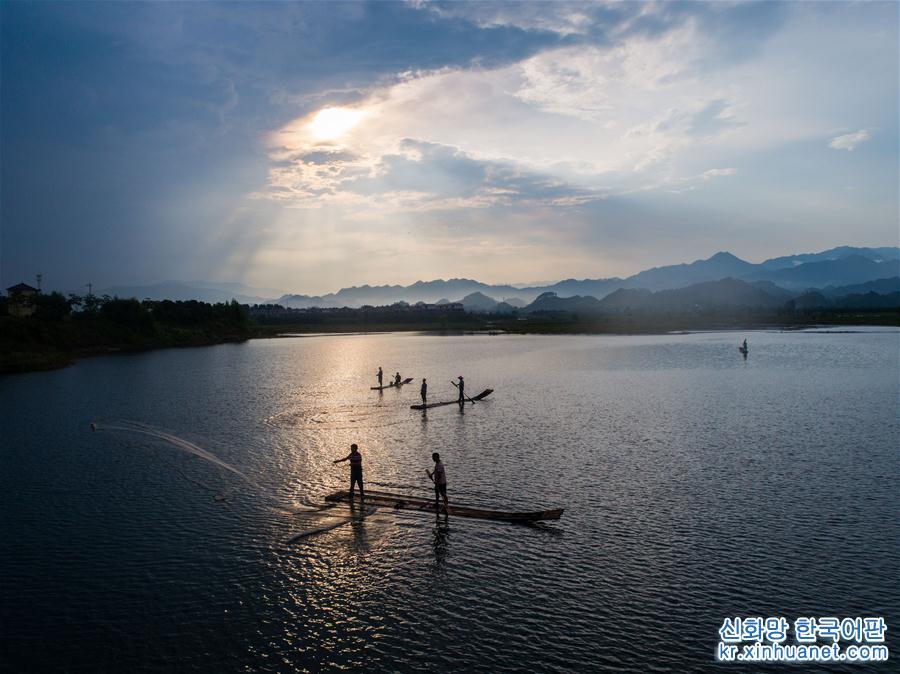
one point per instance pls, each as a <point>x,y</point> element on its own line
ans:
<point>697,486</point>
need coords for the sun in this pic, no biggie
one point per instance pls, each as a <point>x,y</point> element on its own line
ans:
<point>331,123</point>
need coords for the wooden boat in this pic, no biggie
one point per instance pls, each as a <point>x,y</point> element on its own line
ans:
<point>391,385</point>
<point>481,396</point>
<point>402,502</point>
<point>743,350</point>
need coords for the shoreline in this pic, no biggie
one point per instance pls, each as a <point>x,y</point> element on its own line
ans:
<point>23,361</point>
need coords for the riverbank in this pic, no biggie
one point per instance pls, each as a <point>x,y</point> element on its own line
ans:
<point>28,344</point>
<point>617,324</point>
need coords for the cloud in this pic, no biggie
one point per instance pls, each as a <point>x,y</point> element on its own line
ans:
<point>413,176</point>
<point>563,18</point>
<point>644,100</point>
<point>561,127</point>
<point>850,141</point>
<point>523,133</point>
<point>716,172</point>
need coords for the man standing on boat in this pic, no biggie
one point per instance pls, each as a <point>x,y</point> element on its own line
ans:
<point>355,459</point>
<point>462,389</point>
<point>424,392</point>
<point>379,375</point>
<point>439,477</point>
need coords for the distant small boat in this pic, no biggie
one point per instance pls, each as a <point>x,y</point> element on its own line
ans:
<point>744,350</point>
<point>402,502</point>
<point>392,385</point>
<point>484,394</point>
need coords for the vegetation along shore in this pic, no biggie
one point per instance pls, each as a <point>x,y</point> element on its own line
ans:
<point>59,329</point>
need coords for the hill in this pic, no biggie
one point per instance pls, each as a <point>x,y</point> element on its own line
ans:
<point>837,267</point>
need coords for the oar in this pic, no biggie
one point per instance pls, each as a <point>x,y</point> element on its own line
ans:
<point>464,395</point>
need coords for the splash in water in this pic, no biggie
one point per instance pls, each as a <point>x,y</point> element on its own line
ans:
<point>190,448</point>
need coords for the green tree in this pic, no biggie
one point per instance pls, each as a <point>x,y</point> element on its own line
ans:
<point>52,307</point>
<point>128,312</point>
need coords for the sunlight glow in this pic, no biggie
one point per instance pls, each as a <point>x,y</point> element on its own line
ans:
<point>331,123</point>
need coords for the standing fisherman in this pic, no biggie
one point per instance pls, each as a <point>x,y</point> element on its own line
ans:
<point>355,459</point>
<point>439,477</point>
<point>424,392</point>
<point>380,374</point>
<point>462,389</point>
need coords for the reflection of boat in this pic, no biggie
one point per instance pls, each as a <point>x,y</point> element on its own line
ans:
<point>484,394</point>
<point>392,385</point>
<point>402,502</point>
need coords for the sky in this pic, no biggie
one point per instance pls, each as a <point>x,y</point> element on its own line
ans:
<point>312,146</point>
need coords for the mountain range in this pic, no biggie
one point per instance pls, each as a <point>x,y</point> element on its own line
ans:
<point>835,267</point>
<point>786,277</point>
<point>727,293</point>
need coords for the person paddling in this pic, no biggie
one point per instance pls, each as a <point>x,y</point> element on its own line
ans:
<point>439,477</point>
<point>424,392</point>
<point>356,475</point>
<point>397,379</point>
<point>462,389</point>
<point>380,374</point>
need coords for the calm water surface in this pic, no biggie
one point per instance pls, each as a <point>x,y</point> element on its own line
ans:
<point>697,485</point>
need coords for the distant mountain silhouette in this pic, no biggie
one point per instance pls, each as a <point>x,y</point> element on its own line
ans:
<point>884,286</point>
<point>627,298</point>
<point>876,254</point>
<point>843,271</point>
<point>420,291</point>
<point>593,287</point>
<point>868,300</point>
<point>550,302</point>
<point>720,265</point>
<point>726,293</point>
<point>478,303</point>
<point>773,290</point>
<point>812,299</point>
<point>781,277</point>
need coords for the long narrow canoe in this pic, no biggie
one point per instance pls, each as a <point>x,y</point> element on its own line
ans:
<point>391,385</point>
<point>402,502</point>
<point>481,396</point>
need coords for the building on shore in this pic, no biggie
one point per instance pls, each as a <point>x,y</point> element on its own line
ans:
<point>21,299</point>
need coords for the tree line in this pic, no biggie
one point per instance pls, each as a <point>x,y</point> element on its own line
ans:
<point>143,316</point>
